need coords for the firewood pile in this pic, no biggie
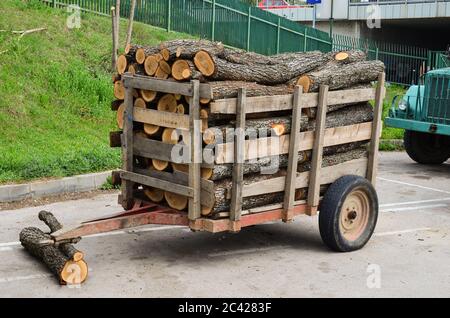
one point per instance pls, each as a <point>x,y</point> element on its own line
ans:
<point>226,71</point>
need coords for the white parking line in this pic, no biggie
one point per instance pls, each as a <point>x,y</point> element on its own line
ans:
<point>414,202</point>
<point>413,208</point>
<point>18,278</point>
<point>414,185</point>
<point>402,232</point>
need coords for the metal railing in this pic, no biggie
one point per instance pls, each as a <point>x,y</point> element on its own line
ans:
<point>388,2</point>
<point>242,26</point>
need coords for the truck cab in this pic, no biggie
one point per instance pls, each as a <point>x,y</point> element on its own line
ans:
<point>424,113</point>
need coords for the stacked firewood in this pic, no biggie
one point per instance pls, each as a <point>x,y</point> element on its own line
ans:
<point>226,70</point>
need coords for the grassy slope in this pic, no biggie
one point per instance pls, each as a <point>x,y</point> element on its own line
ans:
<point>55,92</point>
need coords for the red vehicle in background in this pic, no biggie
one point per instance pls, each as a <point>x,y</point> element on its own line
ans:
<point>276,4</point>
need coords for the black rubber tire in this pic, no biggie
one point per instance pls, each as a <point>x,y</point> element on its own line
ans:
<point>427,148</point>
<point>330,212</point>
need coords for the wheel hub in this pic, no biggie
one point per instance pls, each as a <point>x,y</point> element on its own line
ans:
<point>354,215</point>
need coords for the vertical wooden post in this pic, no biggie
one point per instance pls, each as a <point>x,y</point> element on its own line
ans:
<point>239,158</point>
<point>289,189</point>
<point>196,152</point>
<point>317,152</point>
<point>130,23</point>
<point>372,167</point>
<point>117,23</point>
<point>127,146</point>
<point>169,15</point>
<point>114,39</point>
<point>213,21</point>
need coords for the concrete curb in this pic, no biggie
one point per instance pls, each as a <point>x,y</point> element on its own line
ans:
<point>81,183</point>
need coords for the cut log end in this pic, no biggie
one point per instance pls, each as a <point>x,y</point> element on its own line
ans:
<point>140,56</point>
<point>160,165</point>
<point>165,67</point>
<point>140,103</point>
<point>341,56</point>
<point>151,130</point>
<point>181,70</point>
<point>120,113</point>
<point>74,273</point>
<point>165,54</point>
<point>168,103</point>
<point>161,74</point>
<point>155,195</point>
<point>305,82</point>
<point>122,64</point>
<point>119,90</point>
<point>204,63</point>
<point>176,201</point>
<point>150,65</point>
<point>148,96</point>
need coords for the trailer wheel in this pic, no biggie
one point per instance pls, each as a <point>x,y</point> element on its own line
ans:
<point>427,148</point>
<point>348,214</point>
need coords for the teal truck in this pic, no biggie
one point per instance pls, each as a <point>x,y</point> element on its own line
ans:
<point>424,113</point>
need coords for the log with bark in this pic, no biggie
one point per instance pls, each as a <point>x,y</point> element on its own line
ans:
<point>221,188</point>
<point>267,164</point>
<point>278,126</point>
<point>338,76</point>
<point>66,270</point>
<point>215,68</point>
<point>186,49</point>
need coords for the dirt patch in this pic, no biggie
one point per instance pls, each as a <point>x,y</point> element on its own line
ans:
<point>31,202</point>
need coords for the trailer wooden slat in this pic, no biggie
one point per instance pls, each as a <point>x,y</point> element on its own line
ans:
<point>284,102</point>
<point>224,153</point>
<point>164,86</point>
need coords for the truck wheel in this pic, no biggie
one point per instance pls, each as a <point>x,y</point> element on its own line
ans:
<point>426,148</point>
<point>348,214</point>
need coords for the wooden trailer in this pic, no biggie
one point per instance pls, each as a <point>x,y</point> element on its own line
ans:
<point>348,210</point>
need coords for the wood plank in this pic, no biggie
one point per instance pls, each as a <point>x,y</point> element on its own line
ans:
<point>289,191</point>
<point>207,196</point>
<point>238,166</point>
<point>165,86</point>
<point>258,148</point>
<point>157,183</point>
<point>329,175</point>
<point>372,169</point>
<point>196,151</point>
<point>317,151</point>
<point>115,139</point>
<point>127,149</point>
<point>159,118</point>
<point>154,149</point>
<point>284,102</point>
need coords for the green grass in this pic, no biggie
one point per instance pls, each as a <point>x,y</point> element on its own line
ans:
<point>389,132</point>
<point>55,92</point>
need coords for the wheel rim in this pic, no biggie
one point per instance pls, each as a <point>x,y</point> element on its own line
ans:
<point>354,215</point>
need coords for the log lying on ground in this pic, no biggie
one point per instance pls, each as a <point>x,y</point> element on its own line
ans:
<point>355,114</point>
<point>222,204</point>
<point>343,76</point>
<point>66,270</point>
<point>216,68</point>
<point>68,249</point>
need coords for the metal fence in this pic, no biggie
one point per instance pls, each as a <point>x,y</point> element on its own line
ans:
<point>230,21</point>
<point>239,25</point>
<point>404,63</point>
